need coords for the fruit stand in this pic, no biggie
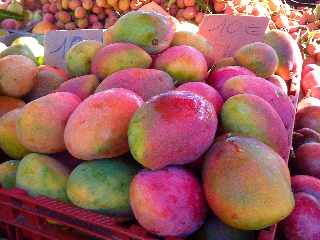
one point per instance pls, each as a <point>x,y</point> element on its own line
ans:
<point>172,122</point>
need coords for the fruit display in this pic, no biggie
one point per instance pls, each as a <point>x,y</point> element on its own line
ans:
<point>147,127</point>
<point>15,14</point>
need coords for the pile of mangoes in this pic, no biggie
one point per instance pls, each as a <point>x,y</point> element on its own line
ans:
<point>148,125</point>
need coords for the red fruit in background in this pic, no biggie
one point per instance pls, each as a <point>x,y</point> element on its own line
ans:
<point>308,159</point>
<point>310,80</point>
<point>306,184</point>
<point>304,222</point>
<point>315,91</point>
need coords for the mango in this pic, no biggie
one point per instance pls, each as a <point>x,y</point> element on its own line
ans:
<point>288,52</point>
<point>259,58</point>
<point>205,91</point>
<point>214,229</point>
<point>103,186</point>
<point>279,81</point>
<point>18,50</point>
<point>144,82</point>
<point>173,201</point>
<point>307,159</point>
<point>150,30</point>
<point>183,63</point>
<point>308,117</point>
<point>252,116</point>
<point>197,41</point>
<point>119,56</point>
<point>247,184</point>
<point>8,104</point>
<point>98,127</point>
<point>82,86</point>
<point>9,142</point>
<point>40,126</point>
<point>173,128</point>
<point>79,57</point>
<point>264,89</point>
<point>217,78</point>
<point>15,83</point>
<point>39,174</point>
<point>46,82</point>
<point>8,171</point>
<point>224,62</point>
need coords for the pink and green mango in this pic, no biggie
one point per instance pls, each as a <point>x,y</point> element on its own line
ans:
<point>103,186</point>
<point>264,89</point>
<point>252,116</point>
<point>146,83</point>
<point>173,128</point>
<point>217,78</point>
<point>42,175</point>
<point>82,86</point>
<point>168,202</point>
<point>247,184</point>
<point>47,81</point>
<point>183,63</point>
<point>40,125</point>
<point>150,30</point>
<point>197,41</point>
<point>98,127</point>
<point>9,142</point>
<point>258,57</point>
<point>119,56</point>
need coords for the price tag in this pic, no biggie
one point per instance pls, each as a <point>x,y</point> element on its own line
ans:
<point>228,33</point>
<point>57,43</point>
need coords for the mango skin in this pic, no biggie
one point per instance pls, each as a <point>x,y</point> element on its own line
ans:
<point>103,186</point>
<point>214,229</point>
<point>168,202</point>
<point>173,128</point>
<point>217,78</point>
<point>247,184</point>
<point>40,126</point>
<point>9,142</point>
<point>259,58</point>
<point>98,127</point>
<point>18,50</point>
<point>151,31</point>
<point>15,83</point>
<point>205,91</point>
<point>252,116</point>
<point>308,117</point>
<point>79,57</point>
<point>8,171</point>
<point>144,82</point>
<point>197,41</point>
<point>290,59</point>
<point>8,104</point>
<point>39,174</point>
<point>119,56</point>
<point>279,82</point>
<point>46,82</point>
<point>183,63</point>
<point>264,89</point>
<point>82,86</point>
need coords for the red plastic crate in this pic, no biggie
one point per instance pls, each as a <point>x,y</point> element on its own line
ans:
<point>27,218</point>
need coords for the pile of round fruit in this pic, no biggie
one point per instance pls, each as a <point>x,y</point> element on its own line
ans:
<point>98,14</point>
<point>145,129</point>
